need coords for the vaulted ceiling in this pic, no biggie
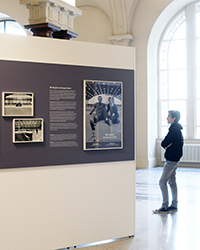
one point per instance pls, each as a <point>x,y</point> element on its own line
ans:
<point>120,12</point>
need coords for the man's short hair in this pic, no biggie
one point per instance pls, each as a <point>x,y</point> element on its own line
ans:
<point>176,114</point>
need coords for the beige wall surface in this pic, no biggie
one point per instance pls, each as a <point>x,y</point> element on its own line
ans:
<point>13,9</point>
<point>93,26</point>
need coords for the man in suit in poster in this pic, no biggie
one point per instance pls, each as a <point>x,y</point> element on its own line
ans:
<point>112,111</point>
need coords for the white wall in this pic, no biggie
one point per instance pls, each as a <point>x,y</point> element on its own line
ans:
<point>53,207</point>
<point>56,207</point>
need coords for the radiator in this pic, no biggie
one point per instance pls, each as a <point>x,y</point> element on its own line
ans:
<point>191,153</point>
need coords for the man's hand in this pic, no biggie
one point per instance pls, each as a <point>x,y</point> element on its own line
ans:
<point>168,145</point>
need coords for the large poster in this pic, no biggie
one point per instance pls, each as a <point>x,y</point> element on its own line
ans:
<point>103,115</point>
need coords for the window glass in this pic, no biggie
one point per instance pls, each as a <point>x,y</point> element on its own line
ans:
<point>173,73</point>
<point>181,106</point>
<point>198,24</point>
<point>179,70</point>
<point>163,84</point>
<point>13,27</point>
<point>177,54</point>
<point>164,54</point>
<point>198,112</point>
<point>164,131</point>
<point>173,29</point>
<point>198,72</point>
<point>198,132</point>
<point>198,53</point>
<point>177,84</point>
<point>198,83</point>
<point>1,27</point>
<point>164,113</point>
<point>181,31</point>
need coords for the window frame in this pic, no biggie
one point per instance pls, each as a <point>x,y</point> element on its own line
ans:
<point>7,19</point>
<point>191,69</point>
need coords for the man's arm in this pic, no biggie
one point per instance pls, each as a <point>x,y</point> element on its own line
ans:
<point>168,140</point>
<point>93,109</point>
<point>168,146</point>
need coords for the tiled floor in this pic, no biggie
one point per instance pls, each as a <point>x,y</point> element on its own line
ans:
<point>176,231</point>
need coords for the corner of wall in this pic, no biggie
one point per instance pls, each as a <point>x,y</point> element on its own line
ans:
<point>142,163</point>
<point>152,162</point>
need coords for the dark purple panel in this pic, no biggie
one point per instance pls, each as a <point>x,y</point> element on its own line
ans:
<point>37,78</point>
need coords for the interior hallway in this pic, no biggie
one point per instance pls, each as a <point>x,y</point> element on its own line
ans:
<point>180,230</point>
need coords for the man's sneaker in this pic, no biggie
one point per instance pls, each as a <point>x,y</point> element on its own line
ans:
<point>161,210</point>
<point>172,209</point>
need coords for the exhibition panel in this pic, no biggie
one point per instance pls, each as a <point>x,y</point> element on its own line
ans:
<point>67,160</point>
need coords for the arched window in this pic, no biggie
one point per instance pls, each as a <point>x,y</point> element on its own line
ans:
<point>179,71</point>
<point>10,26</point>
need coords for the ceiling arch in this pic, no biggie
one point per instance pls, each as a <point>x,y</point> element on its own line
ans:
<point>119,12</point>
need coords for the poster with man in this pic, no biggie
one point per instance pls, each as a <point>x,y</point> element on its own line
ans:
<point>103,115</point>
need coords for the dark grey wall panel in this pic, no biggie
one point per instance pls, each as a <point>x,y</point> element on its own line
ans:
<point>37,78</point>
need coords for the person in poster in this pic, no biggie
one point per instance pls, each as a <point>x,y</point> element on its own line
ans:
<point>113,111</point>
<point>101,113</point>
<point>103,110</point>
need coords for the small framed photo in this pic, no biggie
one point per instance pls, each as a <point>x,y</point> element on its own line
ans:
<point>17,104</point>
<point>28,130</point>
<point>103,115</point>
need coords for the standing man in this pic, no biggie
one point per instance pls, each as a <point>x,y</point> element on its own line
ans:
<point>173,145</point>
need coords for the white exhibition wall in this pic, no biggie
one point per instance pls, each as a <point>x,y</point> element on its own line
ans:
<point>54,207</point>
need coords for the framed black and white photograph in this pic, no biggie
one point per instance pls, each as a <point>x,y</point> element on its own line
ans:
<point>103,115</point>
<point>16,104</point>
<point>28,130</point>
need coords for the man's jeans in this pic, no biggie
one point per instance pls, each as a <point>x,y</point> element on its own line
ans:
<point>169,176</point>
